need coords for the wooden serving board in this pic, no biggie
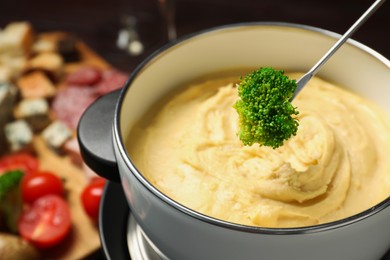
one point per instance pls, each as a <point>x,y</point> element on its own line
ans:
<point>84,236</point>
<point>83,239</point>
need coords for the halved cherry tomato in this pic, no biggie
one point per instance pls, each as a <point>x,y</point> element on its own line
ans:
<point>19,161</point>
<point>39,184</point>
<point>90,197</point>
<point>46,222</point>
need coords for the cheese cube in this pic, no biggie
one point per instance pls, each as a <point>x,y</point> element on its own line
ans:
<point>36,85</point>
<point>35,111</point>
<point>49,62</point>
<point>31,107</point>
<point>56,135</point>
<point>19,135</point>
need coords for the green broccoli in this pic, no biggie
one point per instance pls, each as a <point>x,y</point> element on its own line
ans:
<point>264,108</point>
<point>10,198</point>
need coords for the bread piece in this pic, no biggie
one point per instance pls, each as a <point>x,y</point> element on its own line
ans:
<point>5,74</point>
<point>17,38</point>
<point>14,64</point>
<point>50,62</point>
<point>44,45</point>
<point>36,85</point>
<point>15,247</point>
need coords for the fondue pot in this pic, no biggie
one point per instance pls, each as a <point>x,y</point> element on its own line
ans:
<point>177,232</point>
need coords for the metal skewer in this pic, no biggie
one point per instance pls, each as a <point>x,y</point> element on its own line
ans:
<point>305,78</point>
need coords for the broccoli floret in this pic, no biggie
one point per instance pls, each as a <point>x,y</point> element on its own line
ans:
<point>9,180</point>
<point>264,108</point>
<point>10,198</point>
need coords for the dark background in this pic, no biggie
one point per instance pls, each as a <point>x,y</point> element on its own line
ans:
<point>97,22</point>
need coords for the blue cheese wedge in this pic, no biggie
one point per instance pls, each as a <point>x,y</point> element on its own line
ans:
<point>56,135</point>
<point>31,107</point>
<point>18,135</point>
<point>35,111</point>
<point>8,95</point>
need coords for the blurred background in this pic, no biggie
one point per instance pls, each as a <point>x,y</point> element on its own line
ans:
<point>98,22</point>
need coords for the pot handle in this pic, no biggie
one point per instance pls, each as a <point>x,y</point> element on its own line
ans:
<point>94,134</point>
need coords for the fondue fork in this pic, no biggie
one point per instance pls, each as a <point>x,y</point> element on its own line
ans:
<point>305,78</point>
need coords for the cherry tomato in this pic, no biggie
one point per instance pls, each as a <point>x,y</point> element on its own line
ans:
<point>46,222</point>
<point>19,161</point>
<point>90,197</point>
<point>39,184</point>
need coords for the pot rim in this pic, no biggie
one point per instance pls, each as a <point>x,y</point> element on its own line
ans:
<point>118,140</point>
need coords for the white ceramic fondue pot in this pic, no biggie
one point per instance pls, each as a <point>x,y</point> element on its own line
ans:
<point>181,233</point>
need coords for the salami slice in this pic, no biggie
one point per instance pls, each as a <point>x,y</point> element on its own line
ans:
<point>85,76</point>
<point>70,103</point>
<point>111,80</point>
<point>82,88</point>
